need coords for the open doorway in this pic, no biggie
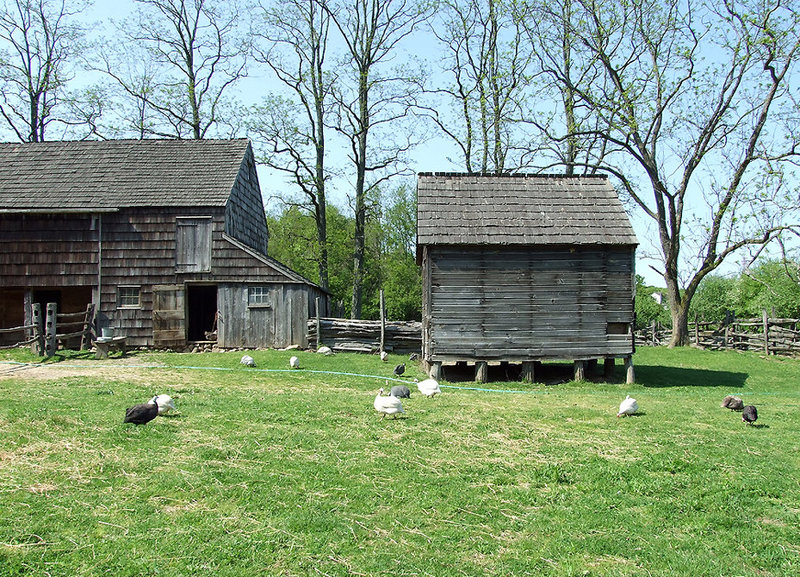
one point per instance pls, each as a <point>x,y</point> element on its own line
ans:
<point>201,303</point>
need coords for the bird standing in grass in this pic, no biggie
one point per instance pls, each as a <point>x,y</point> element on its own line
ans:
<point>294,362</point>
<point>141,414</point>
<point>323,350</point>
<point>387,405</point>
<point>400,369</point>
<point>384,356</point>
<point>165,404</point>
<point>627,407</point>
<point>732,403</point>
<point>248,361</point>
<point>749,414</point>
<point>429,387</point>
<point>400,391</point>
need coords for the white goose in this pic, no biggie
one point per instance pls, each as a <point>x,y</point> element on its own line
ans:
<point>387,405</point>
<point>429,387</point>
<point>165,404</point>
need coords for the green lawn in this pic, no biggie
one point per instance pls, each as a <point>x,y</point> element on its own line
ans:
<point>278,472</point>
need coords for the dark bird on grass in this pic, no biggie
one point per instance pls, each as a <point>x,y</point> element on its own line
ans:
<point>401,392</point>
<point>413,357</point>
<point>749,414</point>
<point>400,369</point>
<point>732,403</point>
<point>143,413</point>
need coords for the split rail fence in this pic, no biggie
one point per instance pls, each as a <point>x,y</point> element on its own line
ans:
<point>48,328</point>
<point>772,336</point>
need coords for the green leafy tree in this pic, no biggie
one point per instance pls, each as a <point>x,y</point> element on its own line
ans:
<point>769,286</point>
<point>714,298</point>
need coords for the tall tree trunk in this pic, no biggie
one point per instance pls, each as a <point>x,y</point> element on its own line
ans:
<point>361,204</point>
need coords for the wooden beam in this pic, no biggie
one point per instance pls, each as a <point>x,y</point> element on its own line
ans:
<point>481,372</point>
<point>528,371</point>
<point>580,370</point>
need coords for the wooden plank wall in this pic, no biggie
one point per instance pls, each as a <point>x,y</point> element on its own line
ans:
<point>279,324</point>
<point>527,304</point>
<point>244,214</point>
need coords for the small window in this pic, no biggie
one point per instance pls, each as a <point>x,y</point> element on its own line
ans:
<point>258,296</point>
<point>129,297</point>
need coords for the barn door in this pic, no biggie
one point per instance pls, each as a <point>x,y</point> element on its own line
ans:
<point>169,316</point>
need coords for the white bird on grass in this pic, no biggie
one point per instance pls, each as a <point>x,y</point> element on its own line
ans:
<point>325,350</point>
<point>390,405</point>
<point>294,362</point>
<point>248,361</point>
<point>384,356</point>
<point>627,407</point>
<point>429,387</point>
<point>165,404</point>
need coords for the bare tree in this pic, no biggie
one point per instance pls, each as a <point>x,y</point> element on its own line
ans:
<point>488,65</point>
<point>38,42</point>
<point>696,100</point>
<point>293,128</point>
<point>372,31</point>
<point>196,54</point>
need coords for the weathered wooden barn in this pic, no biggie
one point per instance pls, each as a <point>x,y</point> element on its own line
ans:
<point>523,269</point>
<point>167,237</point>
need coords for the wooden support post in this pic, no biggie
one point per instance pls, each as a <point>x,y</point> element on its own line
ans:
<point>383,321</point>
<point>580,370</point>
<point>50,330</point>
<point>436,370</point>
<point>630,377</point>
<point>481,372</point>
<point>86,337</point>
<point>528,371</point>
<point>37,347</point>
<point>608,368</point>
<point>765,322</point>
<point>696,331</point>
<point>319,327</point>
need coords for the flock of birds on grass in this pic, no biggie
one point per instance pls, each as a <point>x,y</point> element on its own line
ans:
<point>391,404</point>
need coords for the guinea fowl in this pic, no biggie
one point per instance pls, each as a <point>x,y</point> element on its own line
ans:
<point>627,407</point>
<point>749,414</point>
<point>248,361</point>
<point>165,404</point>
<point>387,405</point>
<point>294,362</point>
<point>400,369</point>
<point>141,414</point>
<point>732,403</point>
<point>401,392</point>
<point>429,387</point>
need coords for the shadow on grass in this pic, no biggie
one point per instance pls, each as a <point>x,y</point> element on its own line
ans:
<point>654,376</point>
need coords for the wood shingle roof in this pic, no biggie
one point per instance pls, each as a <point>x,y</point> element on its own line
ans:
<point>469,209</point>
<point>113,174</point>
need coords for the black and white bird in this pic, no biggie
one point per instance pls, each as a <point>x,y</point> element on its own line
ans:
<point>141,414</point>
<point>165,404</point>
<point>732,403</point>
<point>401,392</point>
<point>248,361</point>
<point>294,362</point>
<point>400,369</point>
<point>749,414</point>
<point>384,356</point>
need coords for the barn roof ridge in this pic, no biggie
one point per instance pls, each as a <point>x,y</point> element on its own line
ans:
<point>542,175</point>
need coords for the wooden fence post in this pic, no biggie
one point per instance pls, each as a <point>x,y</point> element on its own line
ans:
<point>765,322</point>
<point>50,330</point>
<point>37,347</point>
<point>696,331</point>
<point>528,371</point>
<point>319,328</point>
<point>383,323</point>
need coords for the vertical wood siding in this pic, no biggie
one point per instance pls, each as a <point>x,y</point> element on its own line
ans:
<point>527,304</point>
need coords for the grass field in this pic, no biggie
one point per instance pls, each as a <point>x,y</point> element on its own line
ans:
<point>277,472</point>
